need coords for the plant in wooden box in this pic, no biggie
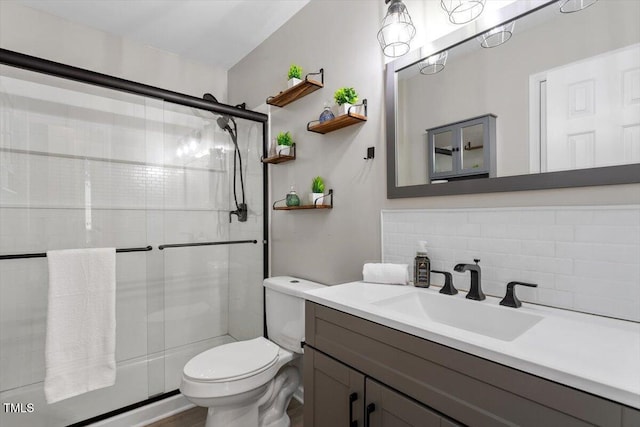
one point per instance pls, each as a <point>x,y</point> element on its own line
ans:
<point>345,97</point>
<point>285,141</point>
<point>295,75</point>
<point>317,191</point>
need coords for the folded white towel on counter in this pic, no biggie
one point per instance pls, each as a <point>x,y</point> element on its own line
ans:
<point>392,274</point>
<point>81,322</point>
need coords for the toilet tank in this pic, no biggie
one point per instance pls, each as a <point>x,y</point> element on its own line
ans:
<point>284,305</point>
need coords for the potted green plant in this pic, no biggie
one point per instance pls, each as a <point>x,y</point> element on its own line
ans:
<point>295,75</point>
<point>345,97</point>
<point>285,141</point>
<point>317,191</point>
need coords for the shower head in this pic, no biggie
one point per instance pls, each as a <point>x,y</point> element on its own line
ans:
<point>223,122</point>
<point>208,97</point>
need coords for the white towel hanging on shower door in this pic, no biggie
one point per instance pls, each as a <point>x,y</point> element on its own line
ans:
<point>81,322</point>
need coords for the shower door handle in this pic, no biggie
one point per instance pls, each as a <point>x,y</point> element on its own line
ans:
<point>352,399</point>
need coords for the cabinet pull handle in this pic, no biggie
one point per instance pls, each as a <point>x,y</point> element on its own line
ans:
<point>352,398</point>
<point>370,408</point>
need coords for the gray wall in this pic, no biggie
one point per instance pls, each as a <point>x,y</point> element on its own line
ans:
<point>331,246</point>
<point>36,33</point>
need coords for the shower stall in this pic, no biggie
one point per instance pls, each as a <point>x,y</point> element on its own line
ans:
<point>88,160</point>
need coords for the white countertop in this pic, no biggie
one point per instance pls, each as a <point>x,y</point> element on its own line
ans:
<point>595,354</point>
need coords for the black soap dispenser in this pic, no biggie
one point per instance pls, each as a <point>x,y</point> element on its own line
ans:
<point>422,266</point>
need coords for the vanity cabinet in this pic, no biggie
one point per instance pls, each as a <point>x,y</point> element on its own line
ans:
<point>335,396</point>
<point>410,379</point>
<point>462,150</point>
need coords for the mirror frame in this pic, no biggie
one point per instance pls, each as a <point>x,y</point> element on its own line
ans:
<point>609,175</point>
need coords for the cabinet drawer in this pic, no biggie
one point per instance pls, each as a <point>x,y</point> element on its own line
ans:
<point>467,388</point>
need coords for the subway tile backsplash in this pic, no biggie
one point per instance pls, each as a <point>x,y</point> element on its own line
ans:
<point>583,258</point>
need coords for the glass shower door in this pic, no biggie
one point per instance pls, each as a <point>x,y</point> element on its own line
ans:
<point>83,167</point>
<point>204,299</point>
<point>72,175</point>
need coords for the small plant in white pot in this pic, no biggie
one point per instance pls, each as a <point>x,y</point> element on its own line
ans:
<point>345,97</point>
<point>317,191</point>
<point>285,141</point>
<point>295,75</point>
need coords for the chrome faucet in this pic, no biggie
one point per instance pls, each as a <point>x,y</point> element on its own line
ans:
<point>475,291</point>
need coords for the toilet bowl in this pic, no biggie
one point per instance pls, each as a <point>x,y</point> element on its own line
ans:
<point>250,383</point>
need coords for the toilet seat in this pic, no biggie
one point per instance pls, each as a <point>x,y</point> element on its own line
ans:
<point>232,362</point>
<point>231,369</point>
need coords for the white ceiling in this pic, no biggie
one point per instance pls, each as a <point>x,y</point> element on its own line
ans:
<point>215,32</point>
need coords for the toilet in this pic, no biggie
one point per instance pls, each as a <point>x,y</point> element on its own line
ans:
<point>250,383</point>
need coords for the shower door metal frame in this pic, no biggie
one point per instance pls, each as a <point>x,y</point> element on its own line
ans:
<point>69,72</point>
<point>57,69</point>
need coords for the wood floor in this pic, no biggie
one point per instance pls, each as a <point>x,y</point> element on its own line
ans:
<point>195,417</point>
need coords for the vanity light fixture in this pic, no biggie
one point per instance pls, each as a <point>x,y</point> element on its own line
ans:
<point>570,6</point>
<point>433,64</point>
<point>462,11</point>
<point>497,36</point>
<point>397,30</point>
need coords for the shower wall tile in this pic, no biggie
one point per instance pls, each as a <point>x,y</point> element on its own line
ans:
<point>131,305</point>
<point>23,308</point>
<point>200,190</point>
<point>195,226</point>
<point>52,181</point>
<point>195,294</point>
<point>247,263</point>
<point>83,125</point>
<point>582,258</point>
<point>39,230</point>
<point>245,289</point>
<point>23,305</point>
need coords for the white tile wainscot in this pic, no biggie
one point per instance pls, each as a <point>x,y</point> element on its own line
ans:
<point>583,258</point>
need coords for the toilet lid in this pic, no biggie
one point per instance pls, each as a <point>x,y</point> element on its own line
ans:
<point>232,361</point>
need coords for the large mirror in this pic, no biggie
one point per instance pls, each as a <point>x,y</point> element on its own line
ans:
<point>564,90</point>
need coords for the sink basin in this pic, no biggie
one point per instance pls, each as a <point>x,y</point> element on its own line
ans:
<point>498,322</point>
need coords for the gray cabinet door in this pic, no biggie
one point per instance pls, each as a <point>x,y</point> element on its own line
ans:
<point>462,149</point>
<point>388,408</point>
<point>334,393</point>
<point>630,417</point>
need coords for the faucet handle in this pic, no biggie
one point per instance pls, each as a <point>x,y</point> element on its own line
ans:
<point>476,260</point>
<point>510,299</point>
<point>448,288</point>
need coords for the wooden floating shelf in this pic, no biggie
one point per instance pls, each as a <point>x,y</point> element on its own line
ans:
<point>294,208</point>
<point>338,122</point>
<point>278,159</point>
<point>329,195</point>
<point>298,91</point>
<point>281,158</point>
